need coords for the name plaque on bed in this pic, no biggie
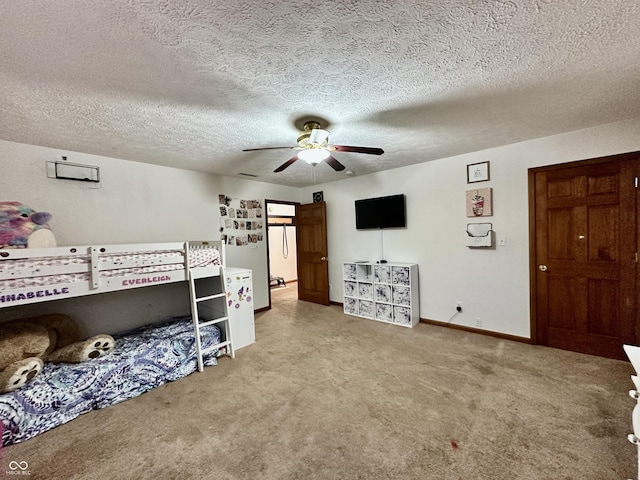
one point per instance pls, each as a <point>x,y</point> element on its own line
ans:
<point>16,297</point>
<point>145,280</point>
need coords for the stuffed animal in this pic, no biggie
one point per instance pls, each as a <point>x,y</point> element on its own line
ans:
<point>21,227</point>
<point>26,344</point>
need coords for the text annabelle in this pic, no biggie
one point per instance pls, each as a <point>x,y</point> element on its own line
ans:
<point>33,294</point>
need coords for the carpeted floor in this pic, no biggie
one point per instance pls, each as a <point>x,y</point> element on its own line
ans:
<point>322,395</point>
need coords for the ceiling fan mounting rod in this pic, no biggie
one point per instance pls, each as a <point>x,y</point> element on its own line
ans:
<point>311,125</point>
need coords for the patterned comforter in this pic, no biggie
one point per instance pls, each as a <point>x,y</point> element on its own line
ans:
<point>142,359</point>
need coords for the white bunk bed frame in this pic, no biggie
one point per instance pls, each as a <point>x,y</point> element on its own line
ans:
<point>633,352</point>
<point>92,269</point>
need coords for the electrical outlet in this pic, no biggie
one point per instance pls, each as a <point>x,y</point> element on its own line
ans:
<point>478,322</point>
<point>459,306</point>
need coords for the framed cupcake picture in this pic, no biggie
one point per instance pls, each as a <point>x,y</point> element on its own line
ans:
<point>479,202</point>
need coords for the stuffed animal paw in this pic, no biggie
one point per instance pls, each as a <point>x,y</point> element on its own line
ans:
<point>19,373</point>
<point>25,344</point>
<point>93,348</point>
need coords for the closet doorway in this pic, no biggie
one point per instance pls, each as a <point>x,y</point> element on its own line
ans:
<point>282,254</point>
<point>584,257</point>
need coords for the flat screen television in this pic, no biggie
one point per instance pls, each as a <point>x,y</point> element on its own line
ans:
<point>381,212</point>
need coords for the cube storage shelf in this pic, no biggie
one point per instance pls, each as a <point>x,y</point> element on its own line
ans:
<point>386,292</point>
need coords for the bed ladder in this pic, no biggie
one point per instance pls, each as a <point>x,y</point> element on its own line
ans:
<point>210,309</point>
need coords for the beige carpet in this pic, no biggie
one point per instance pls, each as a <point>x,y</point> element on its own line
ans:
<point>322,395</point>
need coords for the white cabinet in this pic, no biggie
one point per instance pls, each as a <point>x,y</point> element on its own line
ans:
<point>239,288</point>
<point>387,292</point>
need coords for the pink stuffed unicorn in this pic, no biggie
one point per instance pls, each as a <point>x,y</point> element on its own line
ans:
<point>22,227</point>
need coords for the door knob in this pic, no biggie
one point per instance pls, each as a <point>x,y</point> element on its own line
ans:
<point>324,259</point>
<point>542,268</point>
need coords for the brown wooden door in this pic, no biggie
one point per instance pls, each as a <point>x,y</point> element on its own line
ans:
<point>584,268</point>
<point>313,260</point>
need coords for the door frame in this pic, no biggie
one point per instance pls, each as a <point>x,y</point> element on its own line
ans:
<point>533,266</point>
<point>266,208</point>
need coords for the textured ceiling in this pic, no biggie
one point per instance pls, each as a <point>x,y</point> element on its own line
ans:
<point>190,84</point>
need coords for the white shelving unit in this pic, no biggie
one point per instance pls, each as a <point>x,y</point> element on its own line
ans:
<point>386,292</point>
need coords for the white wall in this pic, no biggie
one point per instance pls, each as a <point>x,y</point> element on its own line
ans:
<point>283,256</point>
<point>134,202</point>
<point>493,284</point>
<point>255,256</point>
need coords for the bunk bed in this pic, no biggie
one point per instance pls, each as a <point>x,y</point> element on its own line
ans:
<point>142,359</point>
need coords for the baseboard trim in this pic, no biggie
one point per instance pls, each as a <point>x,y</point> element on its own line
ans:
<point>503,336</point>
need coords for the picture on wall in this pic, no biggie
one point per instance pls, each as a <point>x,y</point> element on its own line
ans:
<point>241,221</point>
<point>478,172</point>
<point>479,202</point>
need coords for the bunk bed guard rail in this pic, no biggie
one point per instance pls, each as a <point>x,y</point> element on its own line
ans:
<point>36,275</point>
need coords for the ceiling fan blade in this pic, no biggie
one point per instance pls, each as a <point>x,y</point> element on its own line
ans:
<point>267,148</point>
<point>335,164</point>
<point>286,164</point>
<point>346,148</point>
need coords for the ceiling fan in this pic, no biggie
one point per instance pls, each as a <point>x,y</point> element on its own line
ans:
<point>313,143</point>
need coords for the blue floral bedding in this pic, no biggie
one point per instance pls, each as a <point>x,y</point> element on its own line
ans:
<point>142,359</point>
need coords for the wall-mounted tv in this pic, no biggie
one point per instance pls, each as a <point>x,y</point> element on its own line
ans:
<point>381,212</point>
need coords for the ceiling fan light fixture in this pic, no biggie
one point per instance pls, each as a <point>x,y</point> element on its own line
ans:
<point>314,156</point>
<point>314,147</point>
<point>318,136</point>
